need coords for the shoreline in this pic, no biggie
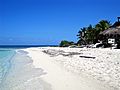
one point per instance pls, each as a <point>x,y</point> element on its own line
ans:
<point>23,75</point>
<point>55,68</point>
<point>7,64</point>
<point>51,62</point>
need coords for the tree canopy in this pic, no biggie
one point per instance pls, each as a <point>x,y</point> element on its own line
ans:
<point>66,43</point>
<point>89,35</point>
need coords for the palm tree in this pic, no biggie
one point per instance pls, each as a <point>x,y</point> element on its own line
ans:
<point>102,25</point>
<point>81,36</point>
<point>86,35</point>
<point>90,34</point>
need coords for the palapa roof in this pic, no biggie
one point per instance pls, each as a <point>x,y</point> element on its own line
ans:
<point>113,30</point>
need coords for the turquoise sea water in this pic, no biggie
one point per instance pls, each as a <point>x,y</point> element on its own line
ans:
<point>17,71</point>
<point>5,56</point>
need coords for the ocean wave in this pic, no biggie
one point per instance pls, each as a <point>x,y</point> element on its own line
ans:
<point>5,56</point>
<point>23,75</point>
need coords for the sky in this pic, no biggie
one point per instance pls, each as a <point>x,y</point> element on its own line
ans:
<point>47,22</point>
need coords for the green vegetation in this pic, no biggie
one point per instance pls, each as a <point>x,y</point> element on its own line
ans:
<point>89,35</point>
<point>65,43</point>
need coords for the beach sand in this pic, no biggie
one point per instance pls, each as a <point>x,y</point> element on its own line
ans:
<point>23,75</point>
<point>78,68</point>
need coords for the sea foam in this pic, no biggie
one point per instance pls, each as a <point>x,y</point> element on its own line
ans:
<point>5,56</point>
<point>23,75</point>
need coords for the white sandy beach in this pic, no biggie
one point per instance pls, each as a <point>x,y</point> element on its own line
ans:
<point>67,69</point>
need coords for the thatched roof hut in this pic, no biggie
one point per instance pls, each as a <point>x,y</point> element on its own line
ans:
<point>113,32</point>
